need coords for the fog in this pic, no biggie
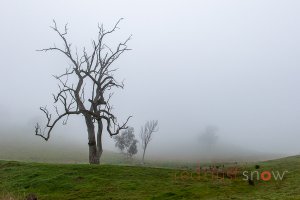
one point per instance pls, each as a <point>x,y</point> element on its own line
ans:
<point>194,64</point>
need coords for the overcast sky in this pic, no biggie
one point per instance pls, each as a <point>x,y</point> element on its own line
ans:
<point>230,64</point>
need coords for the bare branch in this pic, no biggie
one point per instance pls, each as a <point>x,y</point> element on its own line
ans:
<point>50,125</point>
<point>117,128</point>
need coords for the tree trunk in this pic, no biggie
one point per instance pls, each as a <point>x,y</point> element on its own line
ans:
<point>99,140</point>
<point>143,160</point>
<point>93,156</point>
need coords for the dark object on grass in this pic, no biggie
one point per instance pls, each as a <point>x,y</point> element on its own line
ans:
<point>31,197</point>
<point>257,166</point>
<point>251,182</point>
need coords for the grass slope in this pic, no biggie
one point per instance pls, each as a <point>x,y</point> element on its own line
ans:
<point>82,181</point>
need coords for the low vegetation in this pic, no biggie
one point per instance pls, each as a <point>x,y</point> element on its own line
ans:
<point>83,181</point>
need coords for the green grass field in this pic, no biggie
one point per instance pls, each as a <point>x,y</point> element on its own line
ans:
<point>83,181</point>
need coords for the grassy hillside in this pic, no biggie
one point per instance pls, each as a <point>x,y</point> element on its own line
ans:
<point>82,181</point>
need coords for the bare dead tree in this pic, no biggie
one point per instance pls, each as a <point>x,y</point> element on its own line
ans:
<point>90,69</point>
<point>146,135</point>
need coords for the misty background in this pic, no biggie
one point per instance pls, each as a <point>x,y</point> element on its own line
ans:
<point>230,64</point>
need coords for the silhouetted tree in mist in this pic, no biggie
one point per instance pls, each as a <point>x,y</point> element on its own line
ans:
<point>209,137</point>
<point>146,135</point>
<point>126,142</point>
<point>94,70</point>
